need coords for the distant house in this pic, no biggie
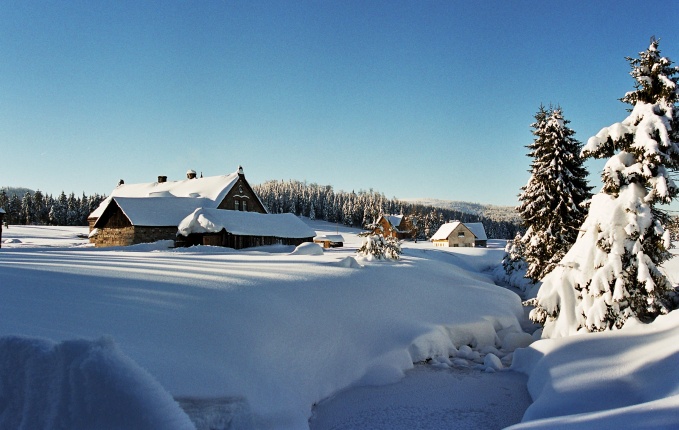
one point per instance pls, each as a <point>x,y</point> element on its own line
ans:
<point>457,234</point>
<point>396,226</point>
<point>330,240</point>
<point>148,212</point>
<point>479,232</point>
<point>2,216</point>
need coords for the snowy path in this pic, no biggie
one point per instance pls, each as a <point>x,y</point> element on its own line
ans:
<point>429,398</point>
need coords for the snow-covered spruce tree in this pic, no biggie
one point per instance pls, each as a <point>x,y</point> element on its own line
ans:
<point>552,200</point>
<point>376,246</point>
<point>611,273</point>
<point>513,261</point>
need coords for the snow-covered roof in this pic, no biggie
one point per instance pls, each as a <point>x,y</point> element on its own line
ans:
<point>204,220</point>
<point>330,238</point>
<point>394,220</point>
<point>445,230</point>
<point>477,229</point>
<point>158,211</point>
<point>211,188</point>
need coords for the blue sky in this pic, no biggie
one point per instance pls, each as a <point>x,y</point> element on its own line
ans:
<point>414,99</point>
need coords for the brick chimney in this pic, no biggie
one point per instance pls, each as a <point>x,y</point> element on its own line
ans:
<point>191,174</point>
<point>162,179</point>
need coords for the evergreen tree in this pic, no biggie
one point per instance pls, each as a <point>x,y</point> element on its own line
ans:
<point>13,210</point>
<point>4,200</point>
<point>27,213</point>
<point>39,208</point>
<point>552,200</point>
<point>611,274</point>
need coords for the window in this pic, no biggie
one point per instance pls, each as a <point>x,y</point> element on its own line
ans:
<point>245,206</point>
<point>236,205</point>
<point>460,234</point>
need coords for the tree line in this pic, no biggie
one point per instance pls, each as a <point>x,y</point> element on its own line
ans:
<point>36,208</point>
<point>363,208</point>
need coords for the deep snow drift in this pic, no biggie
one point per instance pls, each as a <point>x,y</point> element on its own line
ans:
<point>263,334</point>
<point>278,331</point>
<point>80,385</point>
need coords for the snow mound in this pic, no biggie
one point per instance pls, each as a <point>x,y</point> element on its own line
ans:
<point>80,385</point>
<point>308,248</point>
<point>349,262</point>
<point>621,379</point>
<point>11,241</point>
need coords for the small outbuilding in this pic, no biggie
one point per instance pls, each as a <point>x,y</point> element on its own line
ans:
<point>458,234</point>
<point>330,240</point>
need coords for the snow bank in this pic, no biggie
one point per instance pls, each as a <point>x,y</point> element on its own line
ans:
<point>623,379</point>
<point>308,248</point>
<point>79,384</point>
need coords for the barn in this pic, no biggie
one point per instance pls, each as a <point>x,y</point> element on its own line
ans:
<point>148,212</point>
<point>238,230</point>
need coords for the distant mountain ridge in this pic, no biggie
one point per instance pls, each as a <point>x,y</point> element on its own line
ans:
<point>493,212</point>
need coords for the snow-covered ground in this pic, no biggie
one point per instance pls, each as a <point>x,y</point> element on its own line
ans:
<point>255,338</point>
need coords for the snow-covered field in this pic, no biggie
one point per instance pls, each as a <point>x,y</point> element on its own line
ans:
<point>256,338</point>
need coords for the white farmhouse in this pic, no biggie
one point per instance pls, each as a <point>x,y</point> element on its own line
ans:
<point>458,234</point>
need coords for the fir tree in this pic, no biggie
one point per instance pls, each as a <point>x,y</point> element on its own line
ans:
<point>611,274</point>
<point>552,200</point>
<point>27,212</point>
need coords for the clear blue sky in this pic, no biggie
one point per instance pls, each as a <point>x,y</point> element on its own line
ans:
<point>414,99</point>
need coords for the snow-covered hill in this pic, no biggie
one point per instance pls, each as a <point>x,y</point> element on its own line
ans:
<point>492,212</point>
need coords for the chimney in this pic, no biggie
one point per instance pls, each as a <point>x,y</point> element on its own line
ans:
<point>162,179</point>
<point>240,171</point>
<point>191,174</point>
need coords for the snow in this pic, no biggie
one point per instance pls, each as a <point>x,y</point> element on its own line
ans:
<point>80,384</point>
<point>308,248</point>
<point>279,331</point>
<point>255,338</point>
<point>394,220</point>
<point>204,220</point>
<point>158,211</point>
<point>477,229</point>
<point>212,188</point>
<point>337,238</point>
<point>623,379</point>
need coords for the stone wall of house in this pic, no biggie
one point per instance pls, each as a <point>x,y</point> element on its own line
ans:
<point>154,234</point>
<point>132,235</point>
<point>113,237</point>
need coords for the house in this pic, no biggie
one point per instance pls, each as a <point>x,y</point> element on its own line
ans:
<point>148,212</point>
<point>396,226</point>
<point>238,229</point>
<point>330,240</point>
<point>458,234</point>
<point>2,216</point>
<point>479,232</point>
